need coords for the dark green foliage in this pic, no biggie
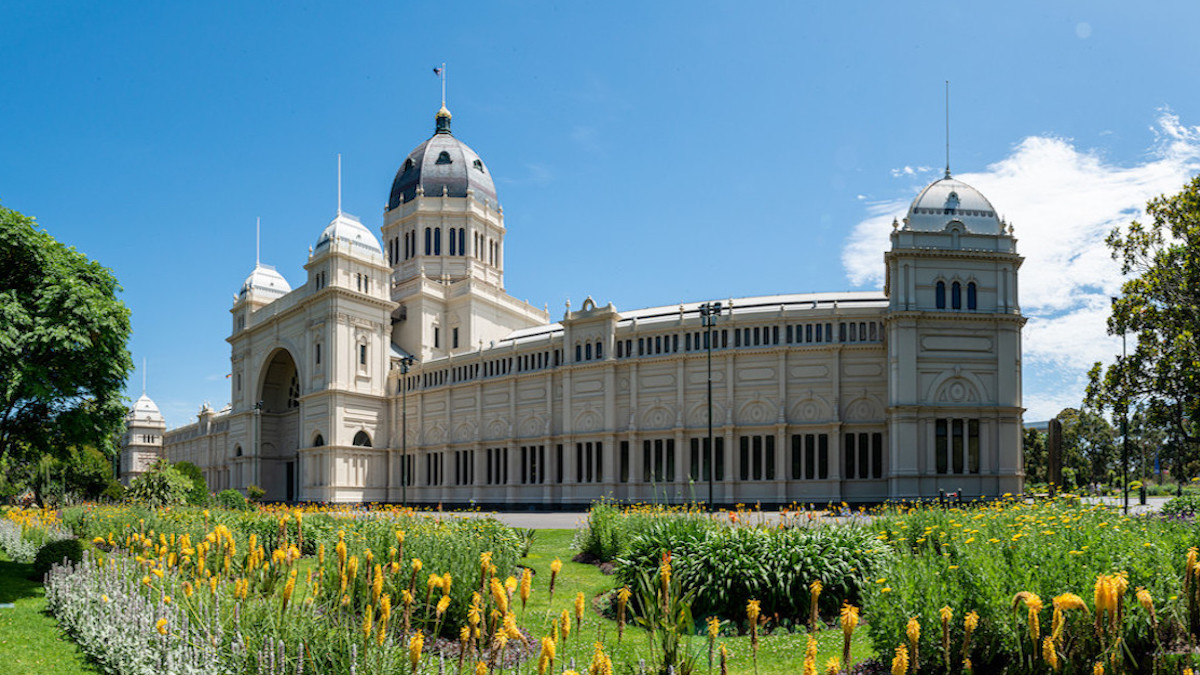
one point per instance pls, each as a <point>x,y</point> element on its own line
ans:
<point>728,566</point>
<point>63,355</point>
<point>114,491</point>
<point>54,553</point>
<point>1184,506</point>
<point>162,485</point>
<point>198,495</point>
<point>255,493</point>
<point>232,499</point>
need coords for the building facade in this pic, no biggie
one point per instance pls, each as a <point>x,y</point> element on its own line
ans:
<point>401,370</point>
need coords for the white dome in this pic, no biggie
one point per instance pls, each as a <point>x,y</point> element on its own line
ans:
<point>347,229</point>
<point>144,410</point>
<point>950,199</point>
<point>264,280</point>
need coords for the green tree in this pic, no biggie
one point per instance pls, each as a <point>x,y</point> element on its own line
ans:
<point>1160,306</point>
<point>198,495</point>
<point>1089,444</point>
<point>1037,460</point>
<point>63,355</point>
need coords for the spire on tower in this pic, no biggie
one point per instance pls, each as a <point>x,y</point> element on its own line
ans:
<point>947,128</point>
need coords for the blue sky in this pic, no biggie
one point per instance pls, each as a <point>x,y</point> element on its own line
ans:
<point>644,153</point>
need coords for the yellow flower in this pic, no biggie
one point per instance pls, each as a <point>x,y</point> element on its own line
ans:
<point>161,626</point>
<point>752,611</point>
<point>913,630</point>
<point>945,613</point>
<point>1049,653</point>
<point>900,661</point>
<point>714,627</point>
<point>833,666</point>
<point>579,604</point>
<point>104,597</point>
<point>480,668</point>
<point>526,585</point>
<point>971,622</point>
<point>1098,669</point>
<point>442,605</point>
<point>416,645</point>
<point>146,580</point>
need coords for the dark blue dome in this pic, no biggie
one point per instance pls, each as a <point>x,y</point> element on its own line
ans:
<point>442,164</point>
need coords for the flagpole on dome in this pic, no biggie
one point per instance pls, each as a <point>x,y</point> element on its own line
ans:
<point>947,128</point>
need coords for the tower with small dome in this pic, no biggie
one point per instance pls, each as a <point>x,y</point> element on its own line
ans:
<point>954,346</point>
<point>142,443</point>
<point>444,231</point>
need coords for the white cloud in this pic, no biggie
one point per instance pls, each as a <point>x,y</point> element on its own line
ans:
<point>1063,201</point>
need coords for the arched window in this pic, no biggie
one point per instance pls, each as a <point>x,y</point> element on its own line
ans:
<point>437,241</point>
<point>362,440</point>
<point>237,451</point>
<point>462,241</point>
<point>578,353</point>
<point>428,241</point>
<point>972,299</point>
<point>318,441</point>
<point>956,296</point>
<point>444,158</point>
<point>941,295</point>
<point>453,241</point>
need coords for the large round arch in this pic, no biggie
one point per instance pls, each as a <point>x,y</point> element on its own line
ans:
<point>277,425</point>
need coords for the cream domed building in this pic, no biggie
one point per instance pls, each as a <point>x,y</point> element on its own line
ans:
<point>403,371</point>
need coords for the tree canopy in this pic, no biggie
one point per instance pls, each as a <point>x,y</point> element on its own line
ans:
<point>1159,306</point>
<point>63,354</point>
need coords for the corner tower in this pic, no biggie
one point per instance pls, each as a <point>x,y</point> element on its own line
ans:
<point>954,346</point>
<point>444,234</point>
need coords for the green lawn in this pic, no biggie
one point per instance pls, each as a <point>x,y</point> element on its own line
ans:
<point>30,641</point>
<point>779,654</point>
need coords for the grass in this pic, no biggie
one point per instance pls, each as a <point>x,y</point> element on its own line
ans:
<point>781,653</point>
<point>30,641</point>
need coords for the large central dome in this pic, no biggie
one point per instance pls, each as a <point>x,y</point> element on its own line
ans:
<point>949,199</point>
<point>442,164</point>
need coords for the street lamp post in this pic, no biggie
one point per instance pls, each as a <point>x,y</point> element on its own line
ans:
<point>405,363</point>
<point>709,312</point>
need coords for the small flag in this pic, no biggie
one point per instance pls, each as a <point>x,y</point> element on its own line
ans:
<point>437,71</point>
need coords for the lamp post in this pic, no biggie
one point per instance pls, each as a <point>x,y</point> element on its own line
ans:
<point>1124,424</point>
<point>405,363</point>
<point>709,312</point>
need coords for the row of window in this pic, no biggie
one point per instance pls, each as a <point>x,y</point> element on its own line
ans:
<point>584,352</point>
<point>550,358</point>
<point>405,248</point>
<point>756,455</point>
<point>362,283</point>
<point>320,280</point>
<point>753,336</point>
<point>956,448</point>
<point>956,293</point>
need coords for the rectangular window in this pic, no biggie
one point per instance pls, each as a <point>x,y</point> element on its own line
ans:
<point>973,443</point>
<point>670,476</point>
<point>599,461</point>
<point>558,461</point>
<point>789,334</point>
<point>851,454</point>
<point>587,448</point>
<point>454,338</point>
<point>941,448</point>
<point>647,458</point>
<point>864,457</point>
<point>505,465</point>
<point>770,455</point>
<point>810,453</point>
<point>599,350</point>
<point>318,353</point>
<point>877,455</point>
<point>957,446</point>
<point>620,351</point>
<point>362,355</point>
<point>757,443</point>
<point>658,460</point>
<point>744,457</point>
<point>624,460</point>
<point>797,471</point>
<point>579,462</point>
<point>437,338</point>
<point>737,338</point>
<point>524,464</point>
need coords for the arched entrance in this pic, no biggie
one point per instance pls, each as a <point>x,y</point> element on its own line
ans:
<point>278,427</point>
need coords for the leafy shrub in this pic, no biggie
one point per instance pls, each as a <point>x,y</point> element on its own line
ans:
<point>162,485</point>
<point>54,553</point>
<point>611,528</point>
<point>728,566</point>
<point>233,500</point>
<point>198,495</point>
<point>113,492</point>
<point>1180,507</point>
<point>255,493</point>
